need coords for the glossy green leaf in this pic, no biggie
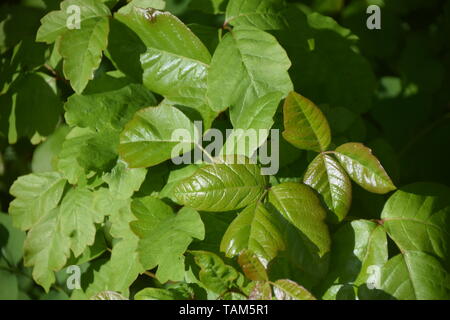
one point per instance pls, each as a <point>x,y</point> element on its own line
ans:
<point>150,137</point>
<point>35,196</point>
<point>262,14</point>
<point>328,178</point>
<point>251,126</point>
<point>238,59</point>
<point>255,229</point>
<point>175,63</point>
<point>364,168</point>
<point>358,248</point>
<point>416,217</point>
<point>415,275</point>
<point>302,208</point>
<point>305,126</point>
<point>222,187</point>
<point>82,51</point>
<point>164,236</point>
<point>252,266</point>
<point>285,289</point>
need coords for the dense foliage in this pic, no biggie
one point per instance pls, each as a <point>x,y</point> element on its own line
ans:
<point>359,208</point>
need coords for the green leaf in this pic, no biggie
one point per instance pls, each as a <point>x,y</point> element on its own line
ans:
<point>120,271</point>
<point>86,150</point>
<point>110,109</point>
<point>150,137</point>
<point>253,121</point>
<point>164,236</point>
<point>286,289</point>
<point>262,14</point>
<point>123,181</point>
<point>416,218</point>
<point>82,51</point>
<point>46,249</point>
<point>11,241</point>
<point>301,207</point>
<point>415,275</point>
<point>305,125</point>
<point>175,64</point>
<point>222,187</point>
<point>358,248</point>
<point>238,59</point>
<point>78,217</point>
<point>326,176</point>
<point>214,274</point>
<point>364,168</point>
<point>36,195</point>
<point>54,24</point>
<point>252,266</point>
<point>254,229</point>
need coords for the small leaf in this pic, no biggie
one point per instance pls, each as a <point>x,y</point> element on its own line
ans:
<point>285,289</point>
<point>82,51</point>
<point>221,187</point>
<point>364,168</point>
<point>164,236</point>
<point>215,275</point>
<point>300,206</point>
<point>36,195</point>
<point>254,229</point>
<point>150,137</point>
<point>77,219</point>
<point>305,126</point>
<point>327,177</point>
<point>252,266</point>
<point>123,181</point>
<point>46,249</point>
